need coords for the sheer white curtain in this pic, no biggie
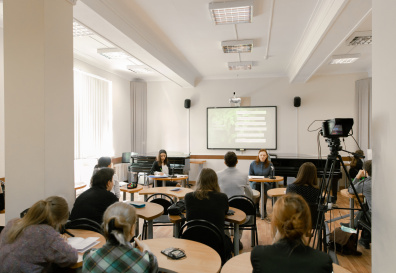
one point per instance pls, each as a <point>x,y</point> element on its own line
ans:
<point>93,134</point>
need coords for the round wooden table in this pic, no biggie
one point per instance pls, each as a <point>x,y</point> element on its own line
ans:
<point>177,194</point>
<point>199,257</point>
<point>241,263</point>
<point>275,193</point>
<point>262,180</point>
<point>149,212</point>
<point>352,198</point>
<point>183,178</point>
<point>125,190</point>
<point>85,234</point>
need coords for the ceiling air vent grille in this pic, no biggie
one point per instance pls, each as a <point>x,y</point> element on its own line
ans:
<point>360,38</point>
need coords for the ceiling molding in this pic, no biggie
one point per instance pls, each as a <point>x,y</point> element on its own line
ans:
<point>326,12</point>
<point>73,2</point>
<point>121,25</point>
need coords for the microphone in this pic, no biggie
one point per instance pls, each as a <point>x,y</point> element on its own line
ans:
<point>173,171</point>
<point>272,173</point>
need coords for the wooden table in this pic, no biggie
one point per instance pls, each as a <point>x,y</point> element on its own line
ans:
<point>262,180</point>
<point>199,257</point>
<point>241,263</point>
<point>149,212</point>
<point>183,178</point>
<point>275,193</point>
<point>166,190</point>
<point>85,234</point>
<point>237,219</point>
<point>125,190</point>
<point>352,198</point>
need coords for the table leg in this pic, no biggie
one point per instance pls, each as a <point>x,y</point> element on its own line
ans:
<point>236,239</point>
<point>262,201</point>
<point>132,196</point>
<point>184,183</point>
<point>145,198</point>
<point>123,196</point>
<point>137,227</point>
<point>352,213</point>
<point>150,229</point>
<point>155,183</point>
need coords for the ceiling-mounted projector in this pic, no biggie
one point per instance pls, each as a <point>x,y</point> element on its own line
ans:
<point>234,99</point>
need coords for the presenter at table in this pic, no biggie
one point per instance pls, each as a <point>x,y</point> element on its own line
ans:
<point>162,167</point>
<point>261,167</point>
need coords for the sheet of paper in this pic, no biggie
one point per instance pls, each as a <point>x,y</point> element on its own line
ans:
<point>83,244</point>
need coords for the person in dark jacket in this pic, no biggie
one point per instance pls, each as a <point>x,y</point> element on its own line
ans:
<point>261,167</point>
<point>162,167</point>
<point>291,221</point>
<point>92,203</point>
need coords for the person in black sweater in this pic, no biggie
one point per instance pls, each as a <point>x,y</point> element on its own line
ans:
<point>207,202</point>
<point>162,167</point>
<point>291,220</point>
<point>93,202</point>
<point>306,183</point>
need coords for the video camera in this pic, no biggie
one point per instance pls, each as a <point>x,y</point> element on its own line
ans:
<point>337,127</point>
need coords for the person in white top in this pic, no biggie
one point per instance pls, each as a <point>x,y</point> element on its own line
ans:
<point>105,162</point>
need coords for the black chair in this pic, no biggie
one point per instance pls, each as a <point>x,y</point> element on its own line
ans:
<point>84,223</point>
<point>165,201</point>
<point>205,232</point>
<point>23,213</point>
<point>246,205</point>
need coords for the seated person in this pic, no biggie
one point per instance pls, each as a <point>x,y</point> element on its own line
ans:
<point>93,202</point>
<point>33,243</point>
<point>162,167</point>
<point>118,254</point>
<point>233,182</point>
<point>356,164</point>
<point>362,183</point>
<point>208,203</point>
<point>291,220</point>
<point>261,167</point>
<point>306,183</point>
<point>105,162</point>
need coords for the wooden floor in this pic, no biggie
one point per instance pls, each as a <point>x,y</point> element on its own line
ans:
<point>361,264</point>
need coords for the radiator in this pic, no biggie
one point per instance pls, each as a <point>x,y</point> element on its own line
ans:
<point>121,170</point>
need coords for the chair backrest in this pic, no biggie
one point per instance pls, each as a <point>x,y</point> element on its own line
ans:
<point>161,199</point>
<point>243,203</point>
<point>23,213</point>
<point>204,232</point>
<point>84,223</point>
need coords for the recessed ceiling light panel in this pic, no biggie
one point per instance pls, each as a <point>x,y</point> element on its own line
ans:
<point>241,46</point>
<point>232,12</point>
<point>360,38</point>
<point>344,59</point>
<point>240,65</point>
<point>140,69</point>
<point>113,53</point>
<point>79,30</point>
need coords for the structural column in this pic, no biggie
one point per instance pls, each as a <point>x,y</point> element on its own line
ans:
<point>38,95</point>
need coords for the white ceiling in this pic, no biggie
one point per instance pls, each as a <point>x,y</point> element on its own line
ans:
<point>180,42</point>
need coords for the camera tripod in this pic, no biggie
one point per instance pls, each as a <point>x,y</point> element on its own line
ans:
<point>324,198</point>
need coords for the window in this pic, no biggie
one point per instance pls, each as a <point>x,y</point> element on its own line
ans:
<point>93,133</point>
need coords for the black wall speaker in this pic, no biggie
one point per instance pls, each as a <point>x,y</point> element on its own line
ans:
<point>187,103</point>
<point>297,101</point>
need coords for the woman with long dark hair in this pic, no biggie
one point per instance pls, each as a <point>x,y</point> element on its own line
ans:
<point>261,166</point>
<point>33,243</point>
<point>291,221</point>
<point>162,167</point>
<point>356,164</point>
<point>306,183</point>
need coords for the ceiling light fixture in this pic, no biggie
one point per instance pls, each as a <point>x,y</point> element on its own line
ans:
<point>344,59</point>
<point>113,53</point>
<point>232,12</point>
<point>241,46</point>
<point>139,69</point>
<point>240,65</point>
<point>360,38</point>
<point>79,30</point>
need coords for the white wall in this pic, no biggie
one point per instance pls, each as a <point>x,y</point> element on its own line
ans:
<point>323,97</point>
<point>121,106</point>
<point>2,152</point>
<point>384,132</point>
